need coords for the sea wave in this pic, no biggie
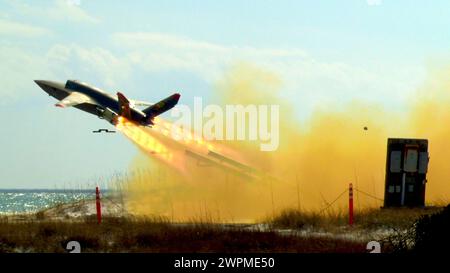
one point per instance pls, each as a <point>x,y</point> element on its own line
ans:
<point>20,201</point>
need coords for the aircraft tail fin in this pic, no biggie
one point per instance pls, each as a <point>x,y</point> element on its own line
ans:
<point>162,106</point>
<point>124,106</point>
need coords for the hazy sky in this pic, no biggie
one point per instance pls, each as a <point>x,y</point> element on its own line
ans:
<point>325,53</point>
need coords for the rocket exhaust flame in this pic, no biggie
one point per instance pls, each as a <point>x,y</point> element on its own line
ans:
<point>164,142</point>
<point>148,143</point>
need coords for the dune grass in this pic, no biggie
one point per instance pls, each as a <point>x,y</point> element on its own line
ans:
<point>130,234</point>
<point>369,219</point>
<point>40,232</point>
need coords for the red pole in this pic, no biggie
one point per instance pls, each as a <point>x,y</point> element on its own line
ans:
<point>350,205</point>
<point>99,207</point>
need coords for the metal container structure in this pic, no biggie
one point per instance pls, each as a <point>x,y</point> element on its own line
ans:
<point>406,171</point>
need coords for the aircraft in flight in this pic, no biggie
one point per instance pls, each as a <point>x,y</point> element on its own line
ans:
<point>106,106</point>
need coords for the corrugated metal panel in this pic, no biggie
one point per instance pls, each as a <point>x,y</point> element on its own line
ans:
<point>396,159</point>
<point>411,160</point>
<point>423,162</point>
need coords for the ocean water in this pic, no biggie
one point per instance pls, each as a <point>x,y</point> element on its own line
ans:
<point>19,201</point>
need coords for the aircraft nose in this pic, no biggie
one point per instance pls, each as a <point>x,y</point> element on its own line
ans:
<point>41,83</point>
<point>47,86</point>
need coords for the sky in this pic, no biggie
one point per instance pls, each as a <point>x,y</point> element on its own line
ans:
<point>326,53</point>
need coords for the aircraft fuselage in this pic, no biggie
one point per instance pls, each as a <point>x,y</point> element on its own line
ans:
<point>106,106</point>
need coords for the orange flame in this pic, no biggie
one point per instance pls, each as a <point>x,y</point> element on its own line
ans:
<point>147,143</point>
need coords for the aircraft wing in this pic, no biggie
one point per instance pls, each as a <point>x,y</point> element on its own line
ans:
<point>73,99</point>
<point>162,106</point>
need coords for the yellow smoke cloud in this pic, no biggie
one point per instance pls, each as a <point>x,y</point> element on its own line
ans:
<point>315,161</point>
<point>430,118</point>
